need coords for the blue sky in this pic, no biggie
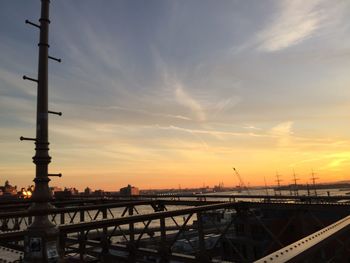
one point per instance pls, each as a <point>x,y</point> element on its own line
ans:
<point>160,93</point>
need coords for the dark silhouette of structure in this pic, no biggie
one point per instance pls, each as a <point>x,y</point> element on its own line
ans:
<point>129,190</point>
<point>41,242</point>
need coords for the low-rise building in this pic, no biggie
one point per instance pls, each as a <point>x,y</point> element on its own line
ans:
<point>66,193</point>
<point>8,189</point>
<point>99,192</point>
<point>55,189</point>
<point>87,191</point>
<point>129,190</point>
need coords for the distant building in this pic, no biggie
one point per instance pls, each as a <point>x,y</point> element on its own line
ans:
<point>55,189</point>
<point>129,190</point>
<point>73,190</point>
<point>66,193</point>
<point>87,191</point>
<point>8,190</point>
<point>99,192</point>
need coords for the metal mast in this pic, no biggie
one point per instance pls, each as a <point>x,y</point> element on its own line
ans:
<point>278,180</point>
<point>41,242</point>
<point>266,191</point>
<point>313,179</point>
<point>295,179</point>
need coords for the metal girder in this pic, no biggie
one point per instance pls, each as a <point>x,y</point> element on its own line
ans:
<point>334,207</point>
<point>203,197</point>
<point>140,218</point>
<point>299,250</point>
<point>71,209</point>
<point>85,213</point>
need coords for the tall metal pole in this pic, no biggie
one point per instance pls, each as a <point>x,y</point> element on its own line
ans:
<point>313,178</point>
<point>41,243</point>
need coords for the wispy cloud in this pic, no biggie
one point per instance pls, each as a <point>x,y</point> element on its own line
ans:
<point>283,132</point>
<point>337,161</point>
<point>215,133</point>
<point>224,104</point>
<point>185,99</point>
<point>251,127</point>
<point>326,161</point>
<point>12,81</point>
<point>296,21</point>
<point>156,114</point>
<point>283,129</point>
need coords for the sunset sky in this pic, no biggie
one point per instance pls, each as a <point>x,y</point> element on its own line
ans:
<point>162,93</point>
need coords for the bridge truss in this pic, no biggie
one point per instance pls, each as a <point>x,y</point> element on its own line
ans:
<point>179,228</point>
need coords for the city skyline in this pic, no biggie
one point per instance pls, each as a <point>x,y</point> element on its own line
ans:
<point>169,93</point>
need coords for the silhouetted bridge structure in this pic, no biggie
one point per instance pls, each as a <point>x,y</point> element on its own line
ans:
<point>190,228</point>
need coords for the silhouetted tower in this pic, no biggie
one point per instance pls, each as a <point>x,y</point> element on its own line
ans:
<point>295,179</point>
<point>41,241</point>
<point>313,179</point>
<point>308,189</point>
<point>266,191</point>
<point>278,181</point>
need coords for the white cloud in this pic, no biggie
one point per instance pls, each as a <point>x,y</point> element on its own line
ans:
<point>11,80</point>
<point>297,20</point>
<point>185,99</point>
<point>251,127</point>
<point>216,133</point>
<point>157,114</point>
<point>173,84</point>
<point>283,129</point>
<point>283,132</point>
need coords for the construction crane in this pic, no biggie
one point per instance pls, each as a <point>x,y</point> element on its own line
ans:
<point>241,182</point>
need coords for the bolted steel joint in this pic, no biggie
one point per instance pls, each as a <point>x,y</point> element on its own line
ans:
<point>41,160</point>
<point>42,180</point>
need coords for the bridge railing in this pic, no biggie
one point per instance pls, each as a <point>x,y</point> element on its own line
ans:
<point>20,220</point>
<point>183,235</point>
<point>87,209</point>
<point>154,236</point>
<point>80,212</point>
<point>330,244</point>
<point>173,234</point>
<point>223,197</point>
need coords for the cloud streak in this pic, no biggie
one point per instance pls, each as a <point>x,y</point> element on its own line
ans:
<point>185,99</point>
<point>297,20</point>
<point>283,131</point>
<point>156,114</point>
<point>213,132</point>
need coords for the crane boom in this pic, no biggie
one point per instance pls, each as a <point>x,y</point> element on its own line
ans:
<point>241,182</point>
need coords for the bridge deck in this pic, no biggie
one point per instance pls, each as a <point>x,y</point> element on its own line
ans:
<point>78,237</point>
<point>10,255</point>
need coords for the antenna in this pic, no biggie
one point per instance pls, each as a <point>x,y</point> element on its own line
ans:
<point>295,179</point>
<point>267,193</point>
<point>42,231</point>
<point>313,179</point>
<point>278,180</point>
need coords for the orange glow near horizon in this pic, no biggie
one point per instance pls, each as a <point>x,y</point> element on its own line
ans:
<point>209,166</point>
<point>206,158</point>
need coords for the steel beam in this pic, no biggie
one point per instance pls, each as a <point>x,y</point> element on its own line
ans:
<point>301,249</point>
